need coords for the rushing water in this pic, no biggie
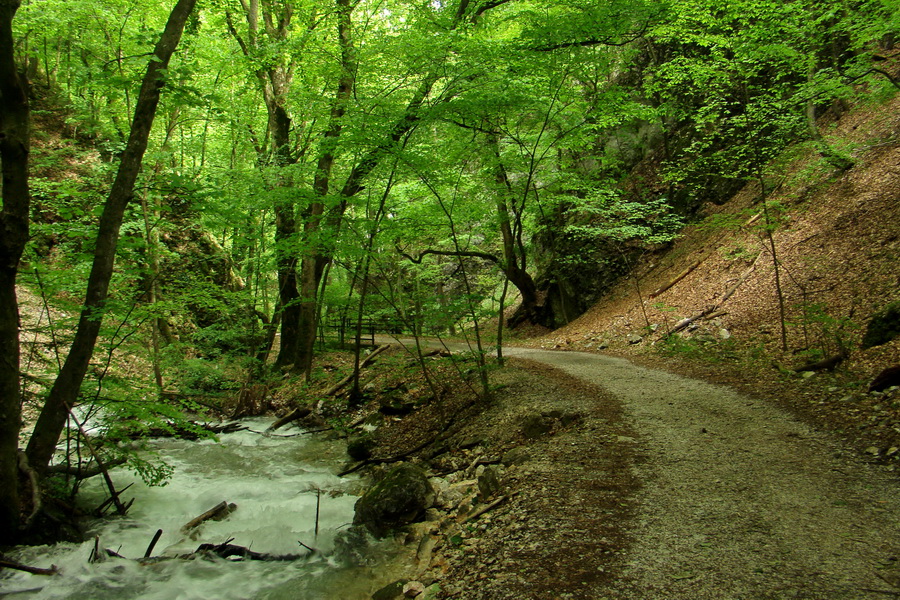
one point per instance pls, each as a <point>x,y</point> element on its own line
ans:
<point>273,482</point>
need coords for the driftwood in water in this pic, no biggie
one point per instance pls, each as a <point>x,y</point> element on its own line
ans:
<point>297,413</point>
<point>229,550</point>
<point>152,545</point>
<point>343,382</point>
<point>217,512</point>
<point>5,563</point>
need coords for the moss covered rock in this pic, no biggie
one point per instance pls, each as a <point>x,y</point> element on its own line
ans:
<point>397,500</point>
<point>884,326</point>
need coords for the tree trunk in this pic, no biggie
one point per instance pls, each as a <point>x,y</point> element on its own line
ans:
<point>313,264</point>
<point>65,390</point>
<point>14,148</point>
<point>514,266</point>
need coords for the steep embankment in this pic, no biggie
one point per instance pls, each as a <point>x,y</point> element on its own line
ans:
<point>838,246</point>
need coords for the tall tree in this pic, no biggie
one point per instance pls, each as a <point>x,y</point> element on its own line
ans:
<point>64,393</point>
<point>14,148</point>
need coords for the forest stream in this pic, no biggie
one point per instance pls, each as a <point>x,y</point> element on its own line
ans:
<point>274,481</point>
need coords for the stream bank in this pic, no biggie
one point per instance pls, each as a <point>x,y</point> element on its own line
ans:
<point>663,487</point>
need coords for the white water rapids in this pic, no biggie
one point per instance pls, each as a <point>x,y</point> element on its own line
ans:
<point>273,482</point>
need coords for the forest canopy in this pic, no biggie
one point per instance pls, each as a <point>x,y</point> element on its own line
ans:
<point>211,186</point>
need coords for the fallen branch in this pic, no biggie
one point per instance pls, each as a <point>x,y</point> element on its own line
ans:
<point>391,459</point>
<point>480,511</point>
<point>340,384</point>
<point>674,281</point>
<point>80,473</point>
<point>121,509</point>
<point>217,512</point>
<point>11,564</point>
<point>297,413</point>
<point>29,473</point>
<point>114,498</point>
<point>715,307</point>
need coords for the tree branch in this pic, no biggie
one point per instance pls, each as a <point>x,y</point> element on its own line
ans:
<point>490,257</point>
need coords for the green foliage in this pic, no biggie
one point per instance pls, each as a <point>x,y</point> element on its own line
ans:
<point>605,213</point>
<point>824,334</point>
<point>703,348</point>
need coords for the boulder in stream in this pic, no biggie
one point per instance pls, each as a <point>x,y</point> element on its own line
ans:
<point>397,500</point>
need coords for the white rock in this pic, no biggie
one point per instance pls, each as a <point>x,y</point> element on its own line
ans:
<point>413,589</point>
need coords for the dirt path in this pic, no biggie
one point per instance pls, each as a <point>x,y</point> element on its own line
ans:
<point>737,499</point>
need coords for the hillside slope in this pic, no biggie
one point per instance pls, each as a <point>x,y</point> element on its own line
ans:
<point>838,243</point>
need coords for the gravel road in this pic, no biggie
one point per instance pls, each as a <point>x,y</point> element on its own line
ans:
<point>739,500</point>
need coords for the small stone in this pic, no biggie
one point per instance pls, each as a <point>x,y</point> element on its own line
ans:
<point>724,334</point>
<point>390,591</point>
<point>515,456</point>
<point>633,338</point>
<point>534,426</point>
<point>472,442</point>
<point>488,482</point>
<point>413,589</point>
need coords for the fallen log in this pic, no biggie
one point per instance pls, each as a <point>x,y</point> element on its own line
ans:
<point>826,364</point>
<point>228,550</point>
<point>297,413</point>
<point>442,352</point>
<point>180,431</point>
<point>886,379</point>
<point>5,563</point>
<point>217,512</point>
<point>340,384</point>
<point>715,307</point>
<point>677,278</point>
<point>84,473</point>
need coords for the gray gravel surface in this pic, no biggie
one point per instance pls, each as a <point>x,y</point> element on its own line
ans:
<point>738,500</point>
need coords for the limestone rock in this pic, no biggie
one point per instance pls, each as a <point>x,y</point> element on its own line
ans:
<point>489,482</point>
<point>413,589</point>
<point>399,499</point>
